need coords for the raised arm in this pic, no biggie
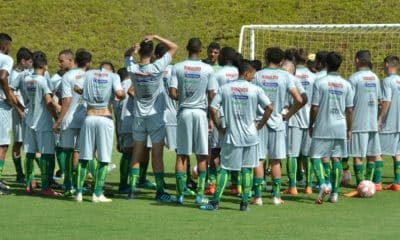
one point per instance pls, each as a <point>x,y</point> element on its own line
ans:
<point>172,47</point>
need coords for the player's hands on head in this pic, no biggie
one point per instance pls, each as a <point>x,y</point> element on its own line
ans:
<point>149,38</point>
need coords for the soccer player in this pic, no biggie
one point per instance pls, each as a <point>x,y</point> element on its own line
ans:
<point>365,138</point>
<point>213,51</point>
<point>73,112</point>
<point>388,121</point>
<point>330,125</point>
<point>7,99</point>
<point>228,60</point>
<point>98,90</point>
<point>24,63</point>
<point>189,85</point>
<point>239,100</point>
<point>149,106</point>
<point>40,112</point>
<point>277,84</point>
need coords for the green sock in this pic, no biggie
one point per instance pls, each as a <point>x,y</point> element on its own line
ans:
<point>378,172</point>
<point>180,183</point>
<point>212,174</point>
<point>257,187</point>
<point>327,171</point>
<point>101,174</point>
<point>29,168</point>
<point>92,167</point>
<point>276,187</point>
<point>18,166</point>
<point>68,169</point>
<point>235,177</point>
<point>43,172</point>
<point>396,172</point>
<point>319,170</point>
<point>81,173</point>
<point>74,176</point>
<point>299,172</point>
<point>159,176</point>
<point>291,168</point>
<point>201,183</point>
<point>124,169</point>
<point>359,172</point>
<point>370,170</point>
<point>309,172</point>
<point>336,176</point>
<point>60,155</point>
<point>222,178</point>
<point>143,171</point>
<point>133,177</point>
<point>188,171</point>
<point>37,160</point>
<point>246,184</point>
<point>345,163</point>
<point>51,165</point>
<point>1,166</point>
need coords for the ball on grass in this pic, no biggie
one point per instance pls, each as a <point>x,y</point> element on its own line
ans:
<point>366,189</point>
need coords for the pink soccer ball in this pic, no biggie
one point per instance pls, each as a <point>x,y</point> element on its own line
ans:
<point>366,189</point>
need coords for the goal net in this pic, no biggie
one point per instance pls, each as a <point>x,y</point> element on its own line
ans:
<point>347,39</point>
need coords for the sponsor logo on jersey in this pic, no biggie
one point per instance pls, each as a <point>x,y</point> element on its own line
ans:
<point>192,75</point>
<point>270,84</point>
<point>231,75</point>
<point>270,77</point>
<point>191,68</point>
<point>302,76</point>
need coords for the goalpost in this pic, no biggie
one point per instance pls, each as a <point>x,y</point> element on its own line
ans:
<point>347,39</point>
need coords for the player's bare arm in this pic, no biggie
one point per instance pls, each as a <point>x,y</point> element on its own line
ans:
<point>267,113</point>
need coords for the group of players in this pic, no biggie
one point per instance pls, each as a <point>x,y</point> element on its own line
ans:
<point>228,111</point>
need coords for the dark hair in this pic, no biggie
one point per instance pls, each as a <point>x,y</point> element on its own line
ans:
<point>123,73</point>
<point>301,56</point>
<point>364,58</point>
<point>23,53</point>
<point>102,64</point>
<point>61,72</point>
<point>194,45</point>
<point>39,59</point>
<point>256,64</point>
<point>5,38</point>
<point>160,50</point>
<point>244,66</point>
<point>213,45</point>
<point>146,48</point>
<point>67,52</point>
<point>333,61</point>
<point>228,55</point>
<point>82,58</point>
<point>274,55</point>
<point>320,60</point>
<point>392,61</point>
<point>290,54</point>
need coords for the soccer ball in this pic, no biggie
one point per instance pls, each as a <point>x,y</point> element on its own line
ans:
<point>346,177</point>
<point>366,189</point>
<point>195,173</point>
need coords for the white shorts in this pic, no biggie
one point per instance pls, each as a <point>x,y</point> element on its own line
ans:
<point>170,137</point>
<point>236,158</point>
<point>69,138</point>
<point>321,148</point>
<point>390,143</point>
<point>5,126</point>
<point>365,144</point>
<point>276,144</point>
<point>263,146</point>
<point>153,126</point>
<point>39,142</point>
<point>298,142</point>
<point>97,135</point>
<point>192,132</point>
<point>17,127</point>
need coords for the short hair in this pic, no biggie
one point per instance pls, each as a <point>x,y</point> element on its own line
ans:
<point>364,58</point>
<point>289,54</point>
<point>82,58</point>
<point>244,66</point>
<point>301,56</point>
<point>23,54</point>
<point>392,61</point>
<point>160,50</point>
<point>39,59</point>
<point>274,55</point>
<point>194,45</point>
<point>289,64</point>
<point>67,52</point>
<point>228,55</point>
<point>214,45</point>
<point>146,48</point>
<point>102,64</point>
<point>257,64</point>
<point>123,73</point>
<point>5,38</point>
<point>320,60</point>
<point>333,61</point>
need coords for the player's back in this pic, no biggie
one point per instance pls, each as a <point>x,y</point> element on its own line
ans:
<point>226,74</point>
<point>192,78</point>
<point>332,94</point>
<point>366,87</point>
<point>391,92</point>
